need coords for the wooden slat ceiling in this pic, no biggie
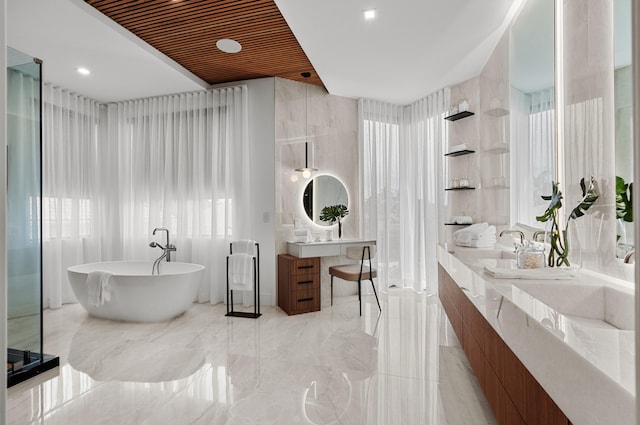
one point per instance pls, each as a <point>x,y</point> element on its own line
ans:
<point>187,31</point>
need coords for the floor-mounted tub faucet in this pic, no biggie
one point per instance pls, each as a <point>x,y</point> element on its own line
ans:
<point>168,247</point>
<point>166,251</point>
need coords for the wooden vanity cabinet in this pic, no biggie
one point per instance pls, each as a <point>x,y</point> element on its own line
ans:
<point>515,397</point>
<point>298,284</point>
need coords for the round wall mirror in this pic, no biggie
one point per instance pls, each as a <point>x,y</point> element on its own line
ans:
<point>323,191</point>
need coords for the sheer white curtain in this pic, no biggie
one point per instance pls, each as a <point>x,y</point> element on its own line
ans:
<point>183,164</point>
<point>533,133</point>
<point>71,202</point>
<point>180,162</point>
<point>402,149</point>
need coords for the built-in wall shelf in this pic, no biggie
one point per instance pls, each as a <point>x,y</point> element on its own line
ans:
<point>459,153</point>
<point>497,112</point>
<point>458,224</point>
<point>460,188</point>
<point>459,115</point>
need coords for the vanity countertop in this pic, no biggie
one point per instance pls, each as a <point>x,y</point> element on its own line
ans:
<point>574,336</point>
<point>324,248</point>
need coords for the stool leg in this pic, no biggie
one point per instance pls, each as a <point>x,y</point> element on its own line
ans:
<point>360,297</point>
<point>376,294</point>
<point>331,289</point>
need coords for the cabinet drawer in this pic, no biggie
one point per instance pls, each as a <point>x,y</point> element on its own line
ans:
<point>305,266</point>
<point>304,281</point>
<point>305,300</point>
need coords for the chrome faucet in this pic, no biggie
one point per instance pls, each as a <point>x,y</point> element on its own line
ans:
<point>166,251</point>
<point>168,247</point>
<point>537,233</point>
<point>517,232</point>
<point>630,257</point>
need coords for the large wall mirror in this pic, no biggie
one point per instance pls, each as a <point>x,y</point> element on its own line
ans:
<point>532,114</point>
<point>623,118</point>
<point>323,191</point>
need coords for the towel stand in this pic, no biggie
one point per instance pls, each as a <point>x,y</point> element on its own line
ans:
<point>256,288</point>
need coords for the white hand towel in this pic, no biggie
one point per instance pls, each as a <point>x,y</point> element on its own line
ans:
<point>241,272</point>
<point>98,288</point>
<point>244,246</point>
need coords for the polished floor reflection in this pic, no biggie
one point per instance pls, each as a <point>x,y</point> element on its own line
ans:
<point>404,366</point>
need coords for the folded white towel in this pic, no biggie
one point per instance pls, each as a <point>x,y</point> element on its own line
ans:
<point>475,232</point>
<point>489,233</point>
<point>244,246</point>
<point>546,273</point>
<point>241,272</point>
<point>464,219</point>
<point>98,288</point>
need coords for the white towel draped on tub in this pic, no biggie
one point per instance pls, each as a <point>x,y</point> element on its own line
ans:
<point>241,272</point>
<point>98,289</point>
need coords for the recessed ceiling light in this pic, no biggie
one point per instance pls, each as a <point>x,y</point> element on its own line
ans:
<point>228,45</point>
<point>83,71</point>
<point>369,14</point>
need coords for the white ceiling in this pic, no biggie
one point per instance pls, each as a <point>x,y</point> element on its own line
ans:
<point>413,48</point>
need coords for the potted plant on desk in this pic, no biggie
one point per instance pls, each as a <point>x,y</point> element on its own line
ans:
<point>334,213</point>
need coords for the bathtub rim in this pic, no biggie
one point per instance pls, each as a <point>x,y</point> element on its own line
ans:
<point>73,269</point>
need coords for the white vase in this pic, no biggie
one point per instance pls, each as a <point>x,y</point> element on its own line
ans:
<point>329,234</point>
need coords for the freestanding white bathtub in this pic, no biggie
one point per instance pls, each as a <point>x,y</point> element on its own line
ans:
<point>138,296</point>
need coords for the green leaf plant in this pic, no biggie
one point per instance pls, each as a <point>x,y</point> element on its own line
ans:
<point>558,237</point>
<point>624,200</point>
<point>333,213</point>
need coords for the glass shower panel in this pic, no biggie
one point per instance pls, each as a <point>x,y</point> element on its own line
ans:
<point>23,194</point>
<point>24,247</point>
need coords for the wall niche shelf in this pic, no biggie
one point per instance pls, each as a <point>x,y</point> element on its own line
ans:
<point>459,153</point>
<point>460,188</point>
<point>459,115</point>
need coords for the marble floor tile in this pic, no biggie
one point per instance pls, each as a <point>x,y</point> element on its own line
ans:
<point>403,366</point>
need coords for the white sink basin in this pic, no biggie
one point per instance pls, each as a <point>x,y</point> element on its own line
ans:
<point>598,303</point>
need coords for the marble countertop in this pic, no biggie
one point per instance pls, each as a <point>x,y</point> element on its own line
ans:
<point>575,336</point>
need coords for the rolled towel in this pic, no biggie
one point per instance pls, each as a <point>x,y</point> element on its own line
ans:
<point>241,272</point>
<point>98,288</point>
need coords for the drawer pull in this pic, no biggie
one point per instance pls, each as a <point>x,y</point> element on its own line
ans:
<point>305,267</point>
<point>305,299</point>
<point>305,282</point>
